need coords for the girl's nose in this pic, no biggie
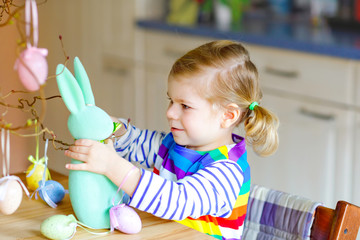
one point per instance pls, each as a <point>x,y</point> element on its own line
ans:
<point>171,112</point>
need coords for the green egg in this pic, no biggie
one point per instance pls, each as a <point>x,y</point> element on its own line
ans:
<point>59,227</point>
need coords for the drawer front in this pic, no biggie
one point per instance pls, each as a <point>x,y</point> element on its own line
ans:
<point>163,49</point>
<point>307,75</point>
<point>304,74</point>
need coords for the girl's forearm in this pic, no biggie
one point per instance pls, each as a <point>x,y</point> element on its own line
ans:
<point>117,173</point>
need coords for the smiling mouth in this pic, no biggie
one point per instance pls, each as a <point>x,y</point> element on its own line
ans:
<point>175,129</point>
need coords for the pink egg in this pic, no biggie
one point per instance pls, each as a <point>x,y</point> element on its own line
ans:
<point>35,59</point>
<point>12,198</point>
<point>125,219</point>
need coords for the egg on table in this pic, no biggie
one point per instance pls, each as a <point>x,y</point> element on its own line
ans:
<point>125,219</point>
<point>12,196</point>
<point>59,227</point>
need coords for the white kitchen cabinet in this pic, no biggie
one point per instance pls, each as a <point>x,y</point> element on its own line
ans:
<point>314,98</point>
<point>356,164</point>
<point>314,156</point>
<point>123,56</point>
<point>357,88</point>
<point>118,98</point>
<point>118,30</point>
<point>117,58</point>
<point>308,75</point>
<point>119,84</point>
<point>156,99</point>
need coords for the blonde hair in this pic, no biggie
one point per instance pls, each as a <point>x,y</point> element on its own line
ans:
<point>234,80</point>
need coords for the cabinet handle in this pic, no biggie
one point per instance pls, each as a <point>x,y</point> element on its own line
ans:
<point>317,115</point>
<point>281,73</point>
<point>116,70</point>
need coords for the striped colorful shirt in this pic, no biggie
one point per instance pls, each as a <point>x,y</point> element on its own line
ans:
<point>207,191</point>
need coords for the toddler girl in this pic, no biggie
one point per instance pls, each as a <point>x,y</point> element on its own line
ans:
<point>200,175</point>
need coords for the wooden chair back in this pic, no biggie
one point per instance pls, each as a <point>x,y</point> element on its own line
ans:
<point>341,223</point>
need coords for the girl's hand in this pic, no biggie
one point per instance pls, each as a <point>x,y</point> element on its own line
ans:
<point>103,159</point>
<point>96,157</point>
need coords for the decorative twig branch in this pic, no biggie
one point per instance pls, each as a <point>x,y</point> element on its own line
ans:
<point>13,11</point>
<point>26,105</point>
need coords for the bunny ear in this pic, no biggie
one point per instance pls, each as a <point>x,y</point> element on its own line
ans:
<point>69,89</point>
<point>83,81</point>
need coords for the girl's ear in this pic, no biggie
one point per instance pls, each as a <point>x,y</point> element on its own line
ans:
<point>231,115</point>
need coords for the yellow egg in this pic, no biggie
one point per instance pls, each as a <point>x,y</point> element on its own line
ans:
<point>33,180</point>
<point>13,196</point>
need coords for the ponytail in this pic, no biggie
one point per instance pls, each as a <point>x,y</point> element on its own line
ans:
<point>261,131</point>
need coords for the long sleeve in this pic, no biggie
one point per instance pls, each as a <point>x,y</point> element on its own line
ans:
<point>212,190</point>
<point>139,145</point>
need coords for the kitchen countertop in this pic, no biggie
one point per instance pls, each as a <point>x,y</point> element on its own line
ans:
<point>25,222</point>
<point>290,35</point>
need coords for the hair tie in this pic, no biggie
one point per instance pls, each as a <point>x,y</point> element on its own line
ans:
<point>253,105</point>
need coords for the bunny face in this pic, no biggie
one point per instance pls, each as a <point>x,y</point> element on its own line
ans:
<point>85,120</point>
<point>92,123</point>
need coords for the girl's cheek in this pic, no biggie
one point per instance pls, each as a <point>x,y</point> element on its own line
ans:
<point>192,124</point>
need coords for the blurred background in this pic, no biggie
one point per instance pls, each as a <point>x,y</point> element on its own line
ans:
<point>307,53</point>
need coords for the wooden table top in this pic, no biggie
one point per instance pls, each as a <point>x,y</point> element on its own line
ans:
<point>25,222</point>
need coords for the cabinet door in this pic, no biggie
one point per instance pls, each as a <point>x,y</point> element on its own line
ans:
<point>118,29</point>
<point>314,155</point>
<point>115,92</point>
<point>357,88</point>
<point>156,99</point>
<point>356,169</point>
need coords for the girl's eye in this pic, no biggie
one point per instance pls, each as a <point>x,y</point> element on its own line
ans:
<point>185,106</point>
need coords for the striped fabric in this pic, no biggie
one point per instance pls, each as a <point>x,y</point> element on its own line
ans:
<point>275,215</point>
<point>207,191</point>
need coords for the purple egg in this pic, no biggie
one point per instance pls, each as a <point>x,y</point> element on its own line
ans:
<point>125,219</point>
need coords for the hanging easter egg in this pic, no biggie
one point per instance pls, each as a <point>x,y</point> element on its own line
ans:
<point>59,227</point>
<point>54,190</point>
<point>34,174</point>
<point>125,219</point>
<point>32,67</point>
<point>12,196</point>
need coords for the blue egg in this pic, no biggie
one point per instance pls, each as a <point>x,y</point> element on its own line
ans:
<point>54,190</point>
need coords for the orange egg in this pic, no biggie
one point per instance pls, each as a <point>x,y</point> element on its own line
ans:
<point>32,181</point>
<point>12,198</point>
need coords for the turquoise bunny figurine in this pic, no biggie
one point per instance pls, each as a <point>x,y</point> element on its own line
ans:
<point>91,194</point>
